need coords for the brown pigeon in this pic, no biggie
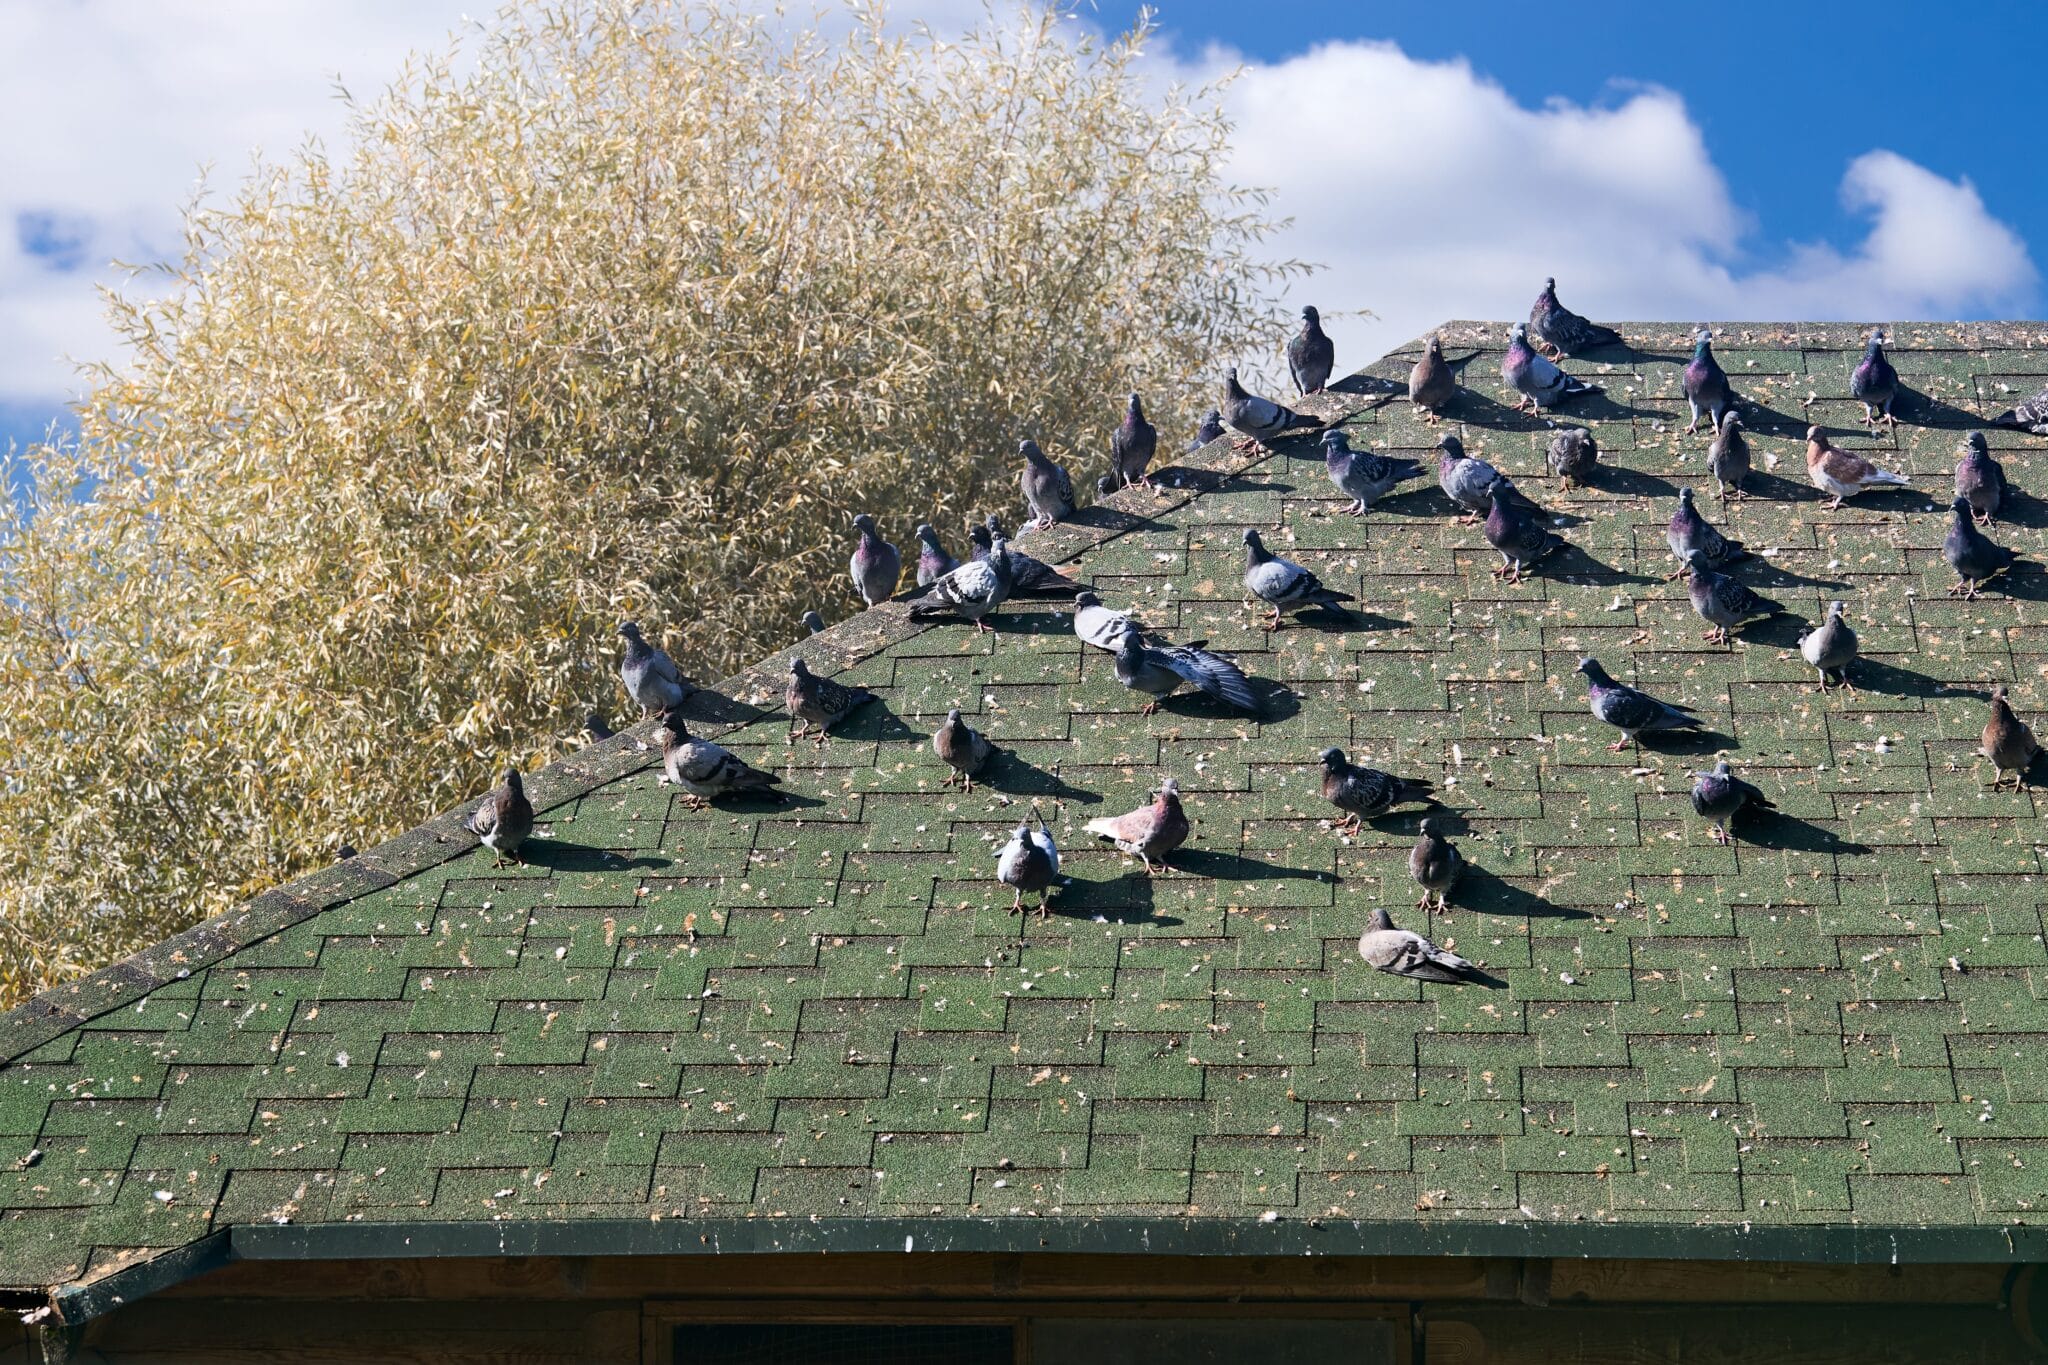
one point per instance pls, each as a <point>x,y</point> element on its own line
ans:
<point>2007,742</point>
<point>1151,831</point>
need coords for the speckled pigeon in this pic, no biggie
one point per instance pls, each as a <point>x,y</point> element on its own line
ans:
<point>1831,647</point>
<point>1689,533</point>
<point>1150,832</point>
<point>1029,863</point>
<point>1282,584</point>
<point>1728,455</point>
<point>1540,383</point>
<point>1029,577</point>
<point>1311,355</point>
<point>1724,603</point>
<point>1573,456</point>
<point>933,560</point>
<point>1257,419</point>
<point>1132,445</point>
<point>1434,863</point>
<point>1719,796</point>
<point>1469,481</point>
<point>1706,384</point>
<point>650,676</point>
<point>705,770</point>
<point>1514,531</point>
<point>1048,492</point>
<point>1366,793</point>
<point>1097,625</point>
<point>2007,742</point>
<point>504,821</point>
<point>1363,475</point>
<point>1159,670</point>
<point>876,564</point>
<point>1980,478</point>
<point>1562,332</point>
<point>971,591</point>
<point>2031,415</point>
<point>1402,952</point>
<point>1841,473</point>
<point>813,700</point>
<point>1627,710</point>
<point>1432,384</point>
<point>1875,383</point>
<point>962,748</point>
<point>812,622</point>
<point>1976,558</point>
<point>1210,430</point>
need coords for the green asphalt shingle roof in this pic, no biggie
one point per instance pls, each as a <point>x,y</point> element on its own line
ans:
<point>819,1016</point>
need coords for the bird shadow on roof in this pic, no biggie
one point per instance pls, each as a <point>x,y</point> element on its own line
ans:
<point>1686,741</point>
<point>1014,776</point>
<point>559,856</point>
<point>1371,385</point>
<point>873,720</point>
<point>708,706</point>
<point>2019,509</point>
<point>2023,582</point>
<point>1575,564</point>
<point>1777,632</point>
<point>1775,830</point>
<point>1239,866</point>
<point>1925,410</point>
<point>1484,893</point>
<point>1761,419</point>
<point>1035,621</point>
<point>1759,572</point>
<point>1123,899</point>
<point>1631,483</point>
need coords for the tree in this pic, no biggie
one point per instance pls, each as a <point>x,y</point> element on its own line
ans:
<point>617,310</point>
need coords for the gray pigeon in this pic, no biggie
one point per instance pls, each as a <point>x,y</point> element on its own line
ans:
<point>1831,648</point>
<point>1150,832</point>
<point>1719,796</point>
<point>597,727</point>
<point>1706,383</point>
<point>705,770</point>
<point>1403,953</point>
<point>1257,419</point>
<point>1976,558</point>
<point>1028,863</point>
<point>1981,479</point>
<point>876,564</point>
<point>1469,481</point>
<point>1028,577</point>
<point>1728,455</point>
<point>1362,475</point>
<point>1432,384</point>
<point>1132,445</point>
<point>504,821</point>
<point>1048,492</point>
<point>650,676</point>
<point>1434,863</point>
<point>2007,742</point>
<point>813,622</point>
<point>1573,456</point>
<point>971,591</point>
<point>1513,530</point>
<point>933,560</point>
<point>1282,584</point>
<point>1540,383</point>
<point>1158,672</point>
<point>1627,710</point>
<point>813,700</point>
<point>1724,603</point>
<point>2031,415</point>
<point>962,748</point>
<point>1097,625</point>
<point>1690,534</point>
<point>1310,354</point>
<point>1366,793</point>
<point>1560,331</point>
<point>1875,384</point>
<point>1210,430</point>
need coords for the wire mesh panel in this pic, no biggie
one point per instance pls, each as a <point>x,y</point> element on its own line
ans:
<point>833,1343</point>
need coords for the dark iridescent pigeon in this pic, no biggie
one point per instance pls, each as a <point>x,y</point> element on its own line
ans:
<point>1402,952</point>
<point>1728,454</point>
<point>597,727</point>
<point>1831,648</point>
<point>1724,603</point>
<point>1469,481</point>
<point>1706,384</point>
<point>1875,383</point>
<point>1282,584</point>
<point>650,676</point>
<point>1210,430</point>
<point>1029,862</point>
<point>504,821</point>
<point>1257,419</point>
<point>1513,530</point>
<point>1981,479</point>
<point>812,622</point>
<point>1048,492</point>
<point>1540,383</point>
<point>1690,533</point>
<point>813,700</point>
<point>1158,672</point>
<point>1562,332</point>
<point>933,561</point>
<point>1434,863</point>
<point>876,564</point>
<point>1627,710</point>
<point>1150,832</point>
<point>1132,445</point>
<point>2032,415</point>
<point>971,591</point>
<point>2007,742</point>
<point>962,748</point>
<point>705,770</point>
<point>1310,354</point>
<point>1029,577</point>
<point>1719,796</point>
<point>1367,793</point>
<point>1363,475</point>
<point>1432,384</point>
<point>1573,456</point>
<point>1975,557</point>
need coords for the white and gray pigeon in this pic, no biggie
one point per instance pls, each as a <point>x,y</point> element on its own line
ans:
<point>1364,476</point>
<point>2030,416</point>
<point>1048,491</point>
<point>1469,481</point>
<point>1254,418</point>
<point>1029,863</point>
<point>1282,584</point>
<point>876,565</point>
<point>504,821</point>
<point>1095,624</point>
<point>705,771</point>
<point>1831,648</point>
<point>971,591</point>
<point>1402,952</point>
<point>1540,383</point>
<point>1628,710</point>
<point>1158,671</point>
<point>650,676</point>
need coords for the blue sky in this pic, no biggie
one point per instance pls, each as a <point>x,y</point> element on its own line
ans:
<point>1722,160</point>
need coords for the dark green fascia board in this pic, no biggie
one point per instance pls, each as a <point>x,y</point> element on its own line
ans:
<point>84,1301</point>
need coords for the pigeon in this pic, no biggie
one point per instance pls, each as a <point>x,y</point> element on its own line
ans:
<point>1728,455</point>
<point>504,821</point>
<point>1719,796</point>
<point>1875,383</point>
<point>1310,354</point>
<point>1706,383</point>
<point>1432,384</point>
<point>1628,710</point>
<point>1095,624</point>
<point>2031,416</point>
<point>1723,602</point>
<point>1690,534</point>
<point>1831,648</point>
<point>1540,383</point>
<point>1048,492</point>
<point>1976,558</point>
<point>813,622</point>
<point>1132,445</point>
<point>963,748</point>
<point>1282,584</point>
<point>705,770</point>
<point>876,564</point>
<point>650,675</point>
<point>933,561</point>
<point>971,591</point>
<point>1210,430</point>
<point>1029,862</point>
<point>1512,529</point>
<point>2007,742</point>
<point>1404,953</point>
<point>597,727</point>
<point>1562,332</point>
<point>1029,577</point>
<point>1159,671</point>
<point>1257,419</point>
<point>1434,863</point>
<point>1107,485</point>
<point>1837,471</point>
<point>1362,475</point>
<point>1367,793</point>
<point>813,700</point>
<point>1151,831</point>
<point>345,852</point>
<point>1574,455</point>
<point>1981,479</point>
<point>1469,481</point>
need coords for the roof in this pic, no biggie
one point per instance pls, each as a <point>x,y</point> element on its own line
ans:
<point>813,1026</point>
